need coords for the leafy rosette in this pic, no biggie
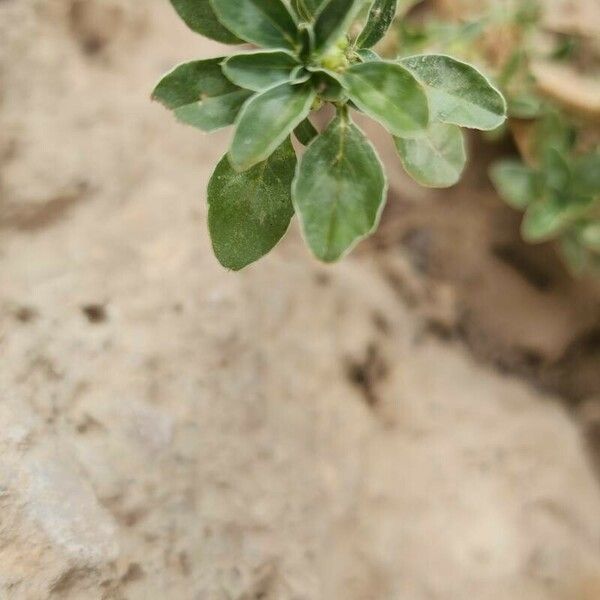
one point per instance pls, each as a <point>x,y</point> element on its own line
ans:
<point>303,57</point>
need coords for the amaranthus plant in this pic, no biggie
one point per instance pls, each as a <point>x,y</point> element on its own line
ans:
<point>309,58</point>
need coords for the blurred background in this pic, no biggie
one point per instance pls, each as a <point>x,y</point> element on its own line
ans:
<point>418,422</point>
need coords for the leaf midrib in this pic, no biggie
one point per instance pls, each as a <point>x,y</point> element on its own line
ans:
<point>335,165</point>
<point>468,103</point>
<point>439,153</point>
<point>385,97</point>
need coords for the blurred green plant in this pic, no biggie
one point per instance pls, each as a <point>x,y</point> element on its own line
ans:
<point>557,182</point>
<point>312,55</point>
<point>560,193</point>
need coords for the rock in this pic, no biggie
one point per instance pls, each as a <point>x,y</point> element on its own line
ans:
<point>56,536</point>
<point>290,432</point>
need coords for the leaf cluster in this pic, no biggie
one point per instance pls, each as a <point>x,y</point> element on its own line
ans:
<point>556,184</point>
<point>560,193</point>
<point>306,56</point>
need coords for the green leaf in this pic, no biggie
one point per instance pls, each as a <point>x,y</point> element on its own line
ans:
<point>515,182</point>
<point>339,191</point>
<point>266,120</point>
<point>381,15</point>
<point>200,17</point>
<point>200,95</point>
<point>189,82</point>
<point>306,39</point>
<point>543,221</point>
<point>250,212</point>
<point>305,132</point>
<point>389,93</point>
<point>436,159</point>
<point>261,69</point>
<point>368,55</point>
<point>547,218</point>
<point>333,21</point>
<point>458,93</point>
<point>266,23</point>
<point>307,9</point>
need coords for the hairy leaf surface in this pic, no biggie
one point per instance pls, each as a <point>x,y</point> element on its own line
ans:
<point>200,95</point>
<point>389,93</point>
<point>250,212</point>
<point>458,93</point>
<point>266,120</point>
<point>333,21</point>
<point>261,69</point>
<point>368,55</point>
<point>380,18</point>
<point>437,159</point>
<point>213,113</point>
<point>339,190</point>
<point>267,23</point>
<point>307,9</point>
<point>546,218</point>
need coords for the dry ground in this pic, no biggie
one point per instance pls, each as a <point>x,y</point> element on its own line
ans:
<point>294,432</point>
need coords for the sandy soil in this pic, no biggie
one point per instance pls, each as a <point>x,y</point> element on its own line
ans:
<point>293,432</point>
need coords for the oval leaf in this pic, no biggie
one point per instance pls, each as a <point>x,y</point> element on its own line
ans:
<point>200,17</point>
<point>250,212</point>
<point>192,81</point>
<point>212,114</point>
<point>437,159</point>
<point>260,70</point>
<point>515,182</point>
<point>339,191</point>
<point>390,94</point>
<point>266,120</point>
<point>333,21</point>
<point>267,23</point>
<point>381,15</point>
<point>458,93</point>
<point>200,95</point>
